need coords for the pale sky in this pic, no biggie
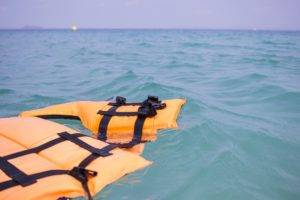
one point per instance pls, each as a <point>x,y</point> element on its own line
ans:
<point>205,14</point>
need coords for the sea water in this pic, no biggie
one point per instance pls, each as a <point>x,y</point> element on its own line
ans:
<point>239,135</point>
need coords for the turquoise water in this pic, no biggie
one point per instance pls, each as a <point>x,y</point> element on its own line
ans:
<point>240,130</point>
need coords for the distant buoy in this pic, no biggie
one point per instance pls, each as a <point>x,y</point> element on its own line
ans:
<point>74,28</point>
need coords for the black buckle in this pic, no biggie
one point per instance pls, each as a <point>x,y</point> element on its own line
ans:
<point>82,174</point>
<point>153,99</point>
<point>147,110</point>
<point>64,198</point>
<point>149,107</point>
<point>120,100</point>
<point>155,102</point>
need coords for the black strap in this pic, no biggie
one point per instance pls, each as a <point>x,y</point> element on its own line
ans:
<point>137,136</point>
<point>138,129</point>
<point>90,158</point>
<point>85,162</point>
<point>63,137</point>
<point>40,148</point>
<point>86,188</point>
<point>126,104</point>
<point>104,123</point>
<point>11,183</point>
<point>111,113</point>
<point>15,174</point>
<point>146,109</point>
<point>130,144</point>
<point>84,145</point>
<point>58,117</point>
<point>80,173</point>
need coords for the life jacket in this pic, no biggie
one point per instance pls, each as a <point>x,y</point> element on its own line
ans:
<point>119,121</point>
<point>40,159</point>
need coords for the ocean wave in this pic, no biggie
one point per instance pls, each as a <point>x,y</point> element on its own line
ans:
<point>6,91</point>
<point>152,88</point>
<point>196,44</point>
<point>287,102</point>
<point>241,81</point>
<point>179,64</point>
<point>46,100</point>
<point>116,84</point>
<point>145,44</point>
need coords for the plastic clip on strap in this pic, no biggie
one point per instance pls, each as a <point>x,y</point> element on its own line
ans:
<point>82,175</point>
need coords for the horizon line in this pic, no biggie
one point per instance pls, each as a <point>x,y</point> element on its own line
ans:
<point>148,28</point>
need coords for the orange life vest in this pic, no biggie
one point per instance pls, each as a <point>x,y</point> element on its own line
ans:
<point>40,159</point>
<point>118,122</point>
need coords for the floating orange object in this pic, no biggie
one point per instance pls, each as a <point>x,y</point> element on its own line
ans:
<point>118,122</point>
<point>40,159</point>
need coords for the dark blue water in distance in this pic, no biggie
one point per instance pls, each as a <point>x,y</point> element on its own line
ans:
<point>239,135</point>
